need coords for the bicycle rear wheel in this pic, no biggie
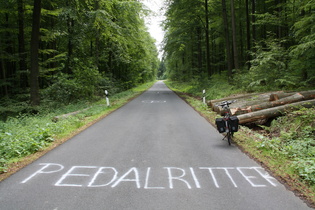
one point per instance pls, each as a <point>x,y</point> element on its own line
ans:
<point>229,137</point>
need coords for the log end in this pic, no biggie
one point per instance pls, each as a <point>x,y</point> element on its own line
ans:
<point>273,97</point>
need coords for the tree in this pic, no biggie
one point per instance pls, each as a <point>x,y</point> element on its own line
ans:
<point>227,39</point>
<point>235,48</point>
<point>21,40</point>
<point>248,35</point>
<point>34,73</point>
<point>207,39</point>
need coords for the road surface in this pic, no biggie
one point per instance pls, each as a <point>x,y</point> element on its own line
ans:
<point>156,152</point>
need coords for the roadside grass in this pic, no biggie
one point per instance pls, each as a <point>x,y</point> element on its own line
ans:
<point>28,136</point>
<point>286,149</point>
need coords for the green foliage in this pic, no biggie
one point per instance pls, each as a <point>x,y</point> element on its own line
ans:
<point>306,169</point>
<point>83,44</point>
<point>219,87</point>
<point>279,48</point>
<point>216,87</point>
<point>28,133</point>
<point>303,53</point>
<point>293,136</point>
<point>23,136</point>
<point>268,66</point>
<point>64,90</point>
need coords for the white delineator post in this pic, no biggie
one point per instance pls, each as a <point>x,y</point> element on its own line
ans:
<point>107,100</point>
<point>204,96</point>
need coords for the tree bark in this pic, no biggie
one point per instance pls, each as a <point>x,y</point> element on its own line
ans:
<point>34,83</point>
<point>253,20</point>
<point>234,36</point>
<point>309,94</point>
<point>199,45</point>
<point>4,77</point>
<point>248,34</point>
<point>207,40</point>
<point>22,52</point>
<point>266,105</point>
<point>244,102</point>
<point>273,112</point>
<point>97,39</point>
<point>212,103</point>
<point>227,40</point>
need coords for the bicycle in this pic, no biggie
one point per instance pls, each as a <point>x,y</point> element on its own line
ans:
<point>229,123</point>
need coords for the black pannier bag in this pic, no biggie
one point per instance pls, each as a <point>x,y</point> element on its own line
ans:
<point>220,122</point>
<point>234,123</point>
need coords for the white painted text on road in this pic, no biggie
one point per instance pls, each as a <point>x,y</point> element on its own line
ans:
<point>152,178</point>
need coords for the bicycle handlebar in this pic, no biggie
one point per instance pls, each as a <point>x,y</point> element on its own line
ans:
<point>225,103</point>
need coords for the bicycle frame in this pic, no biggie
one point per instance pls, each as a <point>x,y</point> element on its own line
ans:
<point>227,119</point>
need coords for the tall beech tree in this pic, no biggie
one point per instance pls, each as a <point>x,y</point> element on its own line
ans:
<point>34,72</point>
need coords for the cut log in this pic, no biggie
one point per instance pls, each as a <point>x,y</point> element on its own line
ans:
<point>273,112</point>
<point>266,105</point>
<point>277,96</point>
<point>244,103</point>
<point>212,103</point>
<point>309,94</point>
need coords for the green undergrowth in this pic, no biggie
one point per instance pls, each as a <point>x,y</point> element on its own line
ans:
<point>286,147</point>
<point>27,134</point>
<point>216,87</point>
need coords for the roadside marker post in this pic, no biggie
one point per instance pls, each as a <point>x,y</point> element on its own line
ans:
<point>204,96</point>
<point>107,100</point>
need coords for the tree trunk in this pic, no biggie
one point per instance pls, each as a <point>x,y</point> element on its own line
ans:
<point>243,102</point>
<point>97,40</point>
<point>22,52</point>
<point>227,39</point>
<point>70,25</point>
<point>4,77</point>
<point>207,40</point>
<point>34,84</point>
<point>308,94</point>
<point>212,103</point>
<point>273,112</point>
<point>266,105</point>
<point>253,20</point>
<point>8,66</point>
<point>234,37</point>
<point>248,34</point>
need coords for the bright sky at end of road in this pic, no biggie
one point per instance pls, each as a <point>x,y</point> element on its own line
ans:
<point>154,21</point>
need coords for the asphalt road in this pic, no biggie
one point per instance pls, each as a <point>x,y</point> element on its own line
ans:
<point>156,152</point>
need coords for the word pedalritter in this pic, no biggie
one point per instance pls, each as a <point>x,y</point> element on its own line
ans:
<point>152,178</point>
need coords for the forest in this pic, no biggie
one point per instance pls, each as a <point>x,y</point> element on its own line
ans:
<point>256,45</point>
<point>58,57</point>
<point>64,51</point>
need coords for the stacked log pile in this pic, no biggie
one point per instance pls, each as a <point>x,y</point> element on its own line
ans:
<point>258,108</point>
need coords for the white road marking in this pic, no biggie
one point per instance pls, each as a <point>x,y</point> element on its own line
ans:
<point>169,177</point>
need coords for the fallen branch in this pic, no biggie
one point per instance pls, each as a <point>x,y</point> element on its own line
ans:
<point>55,119</point>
